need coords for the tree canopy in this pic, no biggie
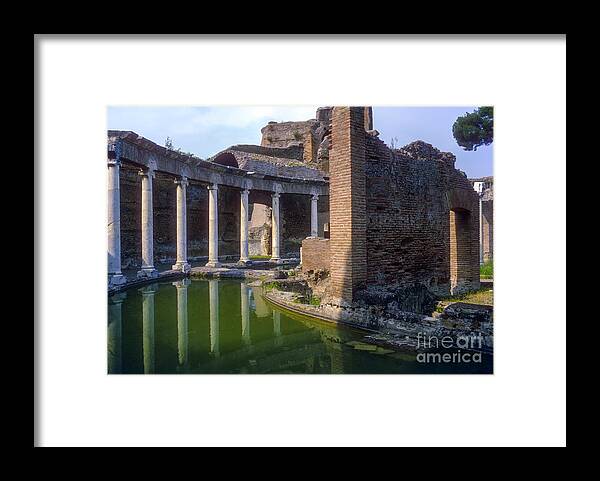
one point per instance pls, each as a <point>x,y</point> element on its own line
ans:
<point>474,129</point>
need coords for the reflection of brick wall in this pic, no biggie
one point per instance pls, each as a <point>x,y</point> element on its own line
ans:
<point>315,254</point>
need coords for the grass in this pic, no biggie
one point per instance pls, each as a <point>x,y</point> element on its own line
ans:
<point>483,296</point>
<point>259,258</point>
<point>315,301</point>
<point>486,271</point>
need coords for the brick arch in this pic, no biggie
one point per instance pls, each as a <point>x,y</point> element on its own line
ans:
<point>460,249</point>
<point>463,239</point>
<point>462,199</point>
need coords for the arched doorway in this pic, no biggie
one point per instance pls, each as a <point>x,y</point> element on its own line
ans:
<point>461,254</point>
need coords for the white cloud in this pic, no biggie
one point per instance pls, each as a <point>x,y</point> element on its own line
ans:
<point>203,130</point>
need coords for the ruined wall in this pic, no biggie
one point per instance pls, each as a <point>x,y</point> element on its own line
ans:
<point>294,217</point>
<point>419,208</point>
<point>197,220</point>
<point>316,254</point>
<point>311,136</point>
<point>164,198</point>
<point>404,221</point>
<point>131,218</point>
<point>259,230</point>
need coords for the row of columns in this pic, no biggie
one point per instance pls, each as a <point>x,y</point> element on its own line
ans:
<point>148,341</point>
<point>147,269</point>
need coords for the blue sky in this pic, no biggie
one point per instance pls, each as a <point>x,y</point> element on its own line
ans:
<point>205,131</point>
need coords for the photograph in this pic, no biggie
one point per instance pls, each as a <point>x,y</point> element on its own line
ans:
<point>300,240</point>
<point>326,246</point>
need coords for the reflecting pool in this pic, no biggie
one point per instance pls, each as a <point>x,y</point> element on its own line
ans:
<point>225,326</point>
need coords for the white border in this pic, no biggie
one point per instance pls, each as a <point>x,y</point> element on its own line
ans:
<point>522,404</point>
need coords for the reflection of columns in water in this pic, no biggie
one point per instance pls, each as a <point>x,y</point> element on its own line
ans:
<point>245,308</point>
<point>213,301</point>
<point>277,327</point>
<point>337,359</point>
<point>115,330</point>
<point>148,327</point>
<point>182,320</point>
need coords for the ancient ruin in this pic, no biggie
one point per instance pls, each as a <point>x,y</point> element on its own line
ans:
<point>371,225</point>
<point>484,186</point>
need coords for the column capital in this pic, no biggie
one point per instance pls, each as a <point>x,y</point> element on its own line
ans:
<point>245,191</point>
<point>315,196</point>
<point>213,186</point>
<point>183,181</point>
<point>147,173</point>
<point>276,195</point>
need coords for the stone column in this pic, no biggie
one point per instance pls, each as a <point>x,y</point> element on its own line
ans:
<point>148,328</point>
<point>314,216</point>
<point>213,302</point>
<point>213,226</point>
<point>147,269</point>
<point>182,263</point>
<point>115,277</point>
<point>275,253</point>
<point>245,311</point>
<point>115,332</point>
<point>182,320</point>
<point>244,258</point>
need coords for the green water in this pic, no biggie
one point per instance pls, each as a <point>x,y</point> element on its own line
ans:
<point>221,327</point>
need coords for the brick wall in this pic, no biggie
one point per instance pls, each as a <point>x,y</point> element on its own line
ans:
<point>410,194</point>
<point>394,218</point>
<point>316,254</point>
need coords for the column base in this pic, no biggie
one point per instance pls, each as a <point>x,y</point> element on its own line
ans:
<point>116,280</point>
<point>244,262</point>
<point>181,266</point>
<point>213,264</point>
<point>147,273</point>
<point>276,260</point>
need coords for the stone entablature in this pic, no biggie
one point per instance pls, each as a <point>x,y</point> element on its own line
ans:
<point>144,153</point>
